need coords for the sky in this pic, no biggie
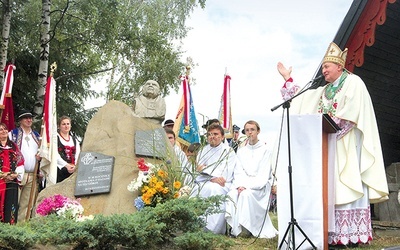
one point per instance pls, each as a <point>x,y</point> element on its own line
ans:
<point>246,39</point>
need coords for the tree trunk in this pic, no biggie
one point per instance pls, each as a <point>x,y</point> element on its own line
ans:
<point>5,36</point>
<point>44,56</point>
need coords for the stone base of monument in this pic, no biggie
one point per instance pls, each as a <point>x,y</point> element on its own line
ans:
<point>389,210</point>
<point>386,228</point>
<point>111,132</point>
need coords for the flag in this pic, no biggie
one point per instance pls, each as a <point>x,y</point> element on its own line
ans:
<point>225,115</point>
<point>48,147</point>
<point>186,127</point>
<point>6,103</point>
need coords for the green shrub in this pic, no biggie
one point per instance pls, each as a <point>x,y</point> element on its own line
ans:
<point>56,230</point>
<point>15,237</point>
<point>172,225</point>
<point>202,240</point>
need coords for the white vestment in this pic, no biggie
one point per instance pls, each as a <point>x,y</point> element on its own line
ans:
<point>250,208</point>
<point>360,176</point>
<point>220,161</point>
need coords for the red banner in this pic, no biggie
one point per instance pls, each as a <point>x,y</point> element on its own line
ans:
<point>6,103</point>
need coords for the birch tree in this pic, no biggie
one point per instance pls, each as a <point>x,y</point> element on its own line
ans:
<point>5,36</point>
<point>43,56</point>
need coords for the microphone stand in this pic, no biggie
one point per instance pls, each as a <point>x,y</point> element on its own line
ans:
<point>290,231</point>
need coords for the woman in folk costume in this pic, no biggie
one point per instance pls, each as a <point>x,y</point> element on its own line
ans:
<point>360,177</point>
<point>68,150</point>
<point>248,204</point>
<point>11,173</point>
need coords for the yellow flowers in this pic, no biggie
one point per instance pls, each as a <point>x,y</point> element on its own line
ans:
<point>161,173</point>
<point>157,184</point>
<point>177,184</point>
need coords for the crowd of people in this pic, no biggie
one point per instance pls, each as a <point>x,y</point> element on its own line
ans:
<point>20,175</point>
<point>239,170</point>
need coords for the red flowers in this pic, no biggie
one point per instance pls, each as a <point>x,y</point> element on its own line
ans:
<point>142,165</point>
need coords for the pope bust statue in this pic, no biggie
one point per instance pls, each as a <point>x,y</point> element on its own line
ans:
<point>150,104</point>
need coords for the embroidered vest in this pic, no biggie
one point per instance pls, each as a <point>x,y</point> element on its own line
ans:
<point>17,134</point>
<point>67,153</point>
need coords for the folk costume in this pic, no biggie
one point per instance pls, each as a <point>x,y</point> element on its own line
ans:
<point>11,160</point>
<point>28,144</point>
<point>249,209</point>
<point>220,161</point>
<point>360,177</point>
<point>68,152</point>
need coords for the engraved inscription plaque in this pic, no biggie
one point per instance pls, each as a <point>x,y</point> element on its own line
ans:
<point>151,143</point>
<point>94,174</point>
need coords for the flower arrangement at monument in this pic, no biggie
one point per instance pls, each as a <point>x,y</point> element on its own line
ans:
<point>61,206</point>
<point>156,184</point>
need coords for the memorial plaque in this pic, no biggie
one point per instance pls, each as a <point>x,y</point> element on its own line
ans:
<point>94,174</point>
<point>151,143</point>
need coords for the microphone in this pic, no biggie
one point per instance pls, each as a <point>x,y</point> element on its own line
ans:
<point>249,139</point>
<point>317,82</point>
<point>318,78</point>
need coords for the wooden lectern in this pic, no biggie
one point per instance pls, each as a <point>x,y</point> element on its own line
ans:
<point>312,151</point>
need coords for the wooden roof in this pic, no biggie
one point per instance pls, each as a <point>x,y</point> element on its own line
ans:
<point>371,32</point>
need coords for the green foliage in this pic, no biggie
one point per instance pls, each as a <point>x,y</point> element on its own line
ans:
<point>109,232</point>
<point>54,230</point>
<point>202,240</point>
<point>174,224</point>
<point>120,43</point>
<point>176,217</point>
<point>15,237</point>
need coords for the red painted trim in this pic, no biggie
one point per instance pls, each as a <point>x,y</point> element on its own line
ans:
<point>363,34</point>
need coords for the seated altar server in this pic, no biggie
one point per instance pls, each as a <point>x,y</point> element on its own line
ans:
<point>248,205</point>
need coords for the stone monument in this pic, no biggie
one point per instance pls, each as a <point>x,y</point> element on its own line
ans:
<point>110,132</point>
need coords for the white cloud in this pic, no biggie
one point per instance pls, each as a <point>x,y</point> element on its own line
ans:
<point>248,38</point>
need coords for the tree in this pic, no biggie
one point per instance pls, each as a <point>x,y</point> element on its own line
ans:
<point>5,36</point>
<point>123,41</point>
<point>43,56</point>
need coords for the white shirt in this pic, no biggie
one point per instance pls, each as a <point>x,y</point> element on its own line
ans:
<point>29,149</point>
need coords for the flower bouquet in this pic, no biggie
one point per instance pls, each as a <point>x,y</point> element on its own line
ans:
<point>156,184</point>
<point>61,206</point>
